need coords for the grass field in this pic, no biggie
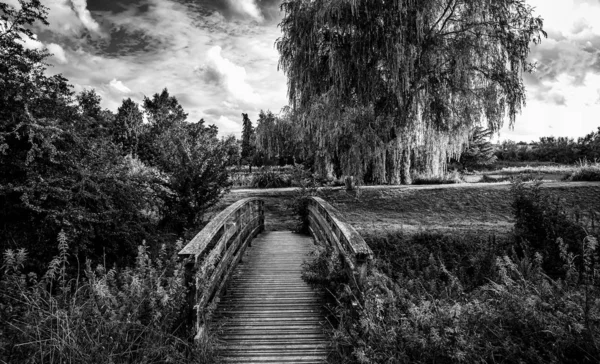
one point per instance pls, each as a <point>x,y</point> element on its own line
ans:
<point>464,207</point>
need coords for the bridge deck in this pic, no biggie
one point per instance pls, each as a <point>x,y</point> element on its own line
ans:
<point>270,314</point>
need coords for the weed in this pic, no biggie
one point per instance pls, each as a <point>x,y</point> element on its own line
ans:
<point>468,298</point>
<point>131,315</point>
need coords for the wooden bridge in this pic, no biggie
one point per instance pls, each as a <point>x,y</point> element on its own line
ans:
<point>249,283</point>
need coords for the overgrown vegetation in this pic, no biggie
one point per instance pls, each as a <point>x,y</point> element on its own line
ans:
<point>103,182</point>
<point>267,178</point>
<point>100,315</point>
<point>106,179</point>
<point>585,172</point>
<point>530,298</point>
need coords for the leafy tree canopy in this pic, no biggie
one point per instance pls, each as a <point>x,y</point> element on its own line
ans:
<point>404,77</point>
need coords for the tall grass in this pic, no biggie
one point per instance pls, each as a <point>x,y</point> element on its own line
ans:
<point>473,298</point>
<point>130,315</point>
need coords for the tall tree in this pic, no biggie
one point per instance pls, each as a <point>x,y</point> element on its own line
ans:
<point>128,126</point>
<point>164,112</point>
<point>384,82</point>
<point>248,141</point>
<point>277,137</point>
<point>195,161</point>
<point>479,150</point>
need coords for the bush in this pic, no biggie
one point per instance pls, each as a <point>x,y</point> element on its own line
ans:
<point>448,178</point>
<point>518,315</point>
<point>489,179</point>
<point>540,219</point>
<point>270,179</point>
<point>132,315</point>
<point>585,173</point>
<point>524,177</point>
<point>300,200</point>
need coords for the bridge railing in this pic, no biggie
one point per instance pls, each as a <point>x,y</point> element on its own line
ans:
<point>328,227</point>
<point>214,253</point>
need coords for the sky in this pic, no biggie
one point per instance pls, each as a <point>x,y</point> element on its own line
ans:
<point>218,58</point>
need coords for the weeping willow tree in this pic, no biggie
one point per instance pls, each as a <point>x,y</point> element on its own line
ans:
<point>278,137</point>
<point>386,86</point>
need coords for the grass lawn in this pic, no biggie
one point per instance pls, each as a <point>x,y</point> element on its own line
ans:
<point>465,207</point>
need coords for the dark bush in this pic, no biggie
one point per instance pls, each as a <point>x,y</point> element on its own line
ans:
<point>270,179</point>
<point>540,219</point>
<point>586,173</point>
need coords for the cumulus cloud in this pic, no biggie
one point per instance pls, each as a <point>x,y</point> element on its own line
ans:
<point>246,7</point>
<point>71,17</point>
<point>119,86</point>
<point>232,77</point>
<point>80,7</point>
<point>58,53</point>
<point>149,51</point>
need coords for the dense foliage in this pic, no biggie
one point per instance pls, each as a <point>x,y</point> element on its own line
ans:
<point>479,150</point>
<point>103,183</point>
<point>472,299</point>
<point>277,138</point>
<point>131,315</point>
<point>107,180</point>
<point>379,84</point>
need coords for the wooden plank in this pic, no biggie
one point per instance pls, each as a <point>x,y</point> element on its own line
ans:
<point>269,314</point>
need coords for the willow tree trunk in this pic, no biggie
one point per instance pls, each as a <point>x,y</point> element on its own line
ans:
<point>393,165</point>
<point>324,167</point>
<point>328,168</point>
<point>405,167</point>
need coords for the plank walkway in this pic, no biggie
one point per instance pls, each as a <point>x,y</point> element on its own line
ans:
<point>269,314</point>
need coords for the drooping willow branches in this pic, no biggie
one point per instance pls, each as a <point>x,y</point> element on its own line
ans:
<point>378,83</point>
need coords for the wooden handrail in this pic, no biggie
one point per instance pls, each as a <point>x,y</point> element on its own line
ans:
<point>215,251</point>
<point>328,227</point>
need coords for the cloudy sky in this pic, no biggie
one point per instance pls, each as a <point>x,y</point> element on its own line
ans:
<point>218,58</point>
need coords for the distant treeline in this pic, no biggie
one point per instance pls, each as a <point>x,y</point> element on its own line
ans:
<point>552,149</point>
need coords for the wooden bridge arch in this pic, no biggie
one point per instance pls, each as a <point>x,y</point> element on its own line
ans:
<point>278,297</point>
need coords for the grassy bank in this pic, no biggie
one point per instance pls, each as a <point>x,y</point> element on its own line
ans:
<point>531,296</point>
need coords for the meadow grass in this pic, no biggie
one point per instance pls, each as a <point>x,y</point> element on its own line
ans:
<point>472,297</point>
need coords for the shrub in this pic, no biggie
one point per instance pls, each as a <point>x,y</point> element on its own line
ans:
<point>585,173</point>
<point>524,177</point>
<point>489,179</point>
<point>300,200</point>
<point>131,315</point>
<point>448,178</point>
<point>540,219</point>
<point>270,179</point>
<point>518,315</point>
